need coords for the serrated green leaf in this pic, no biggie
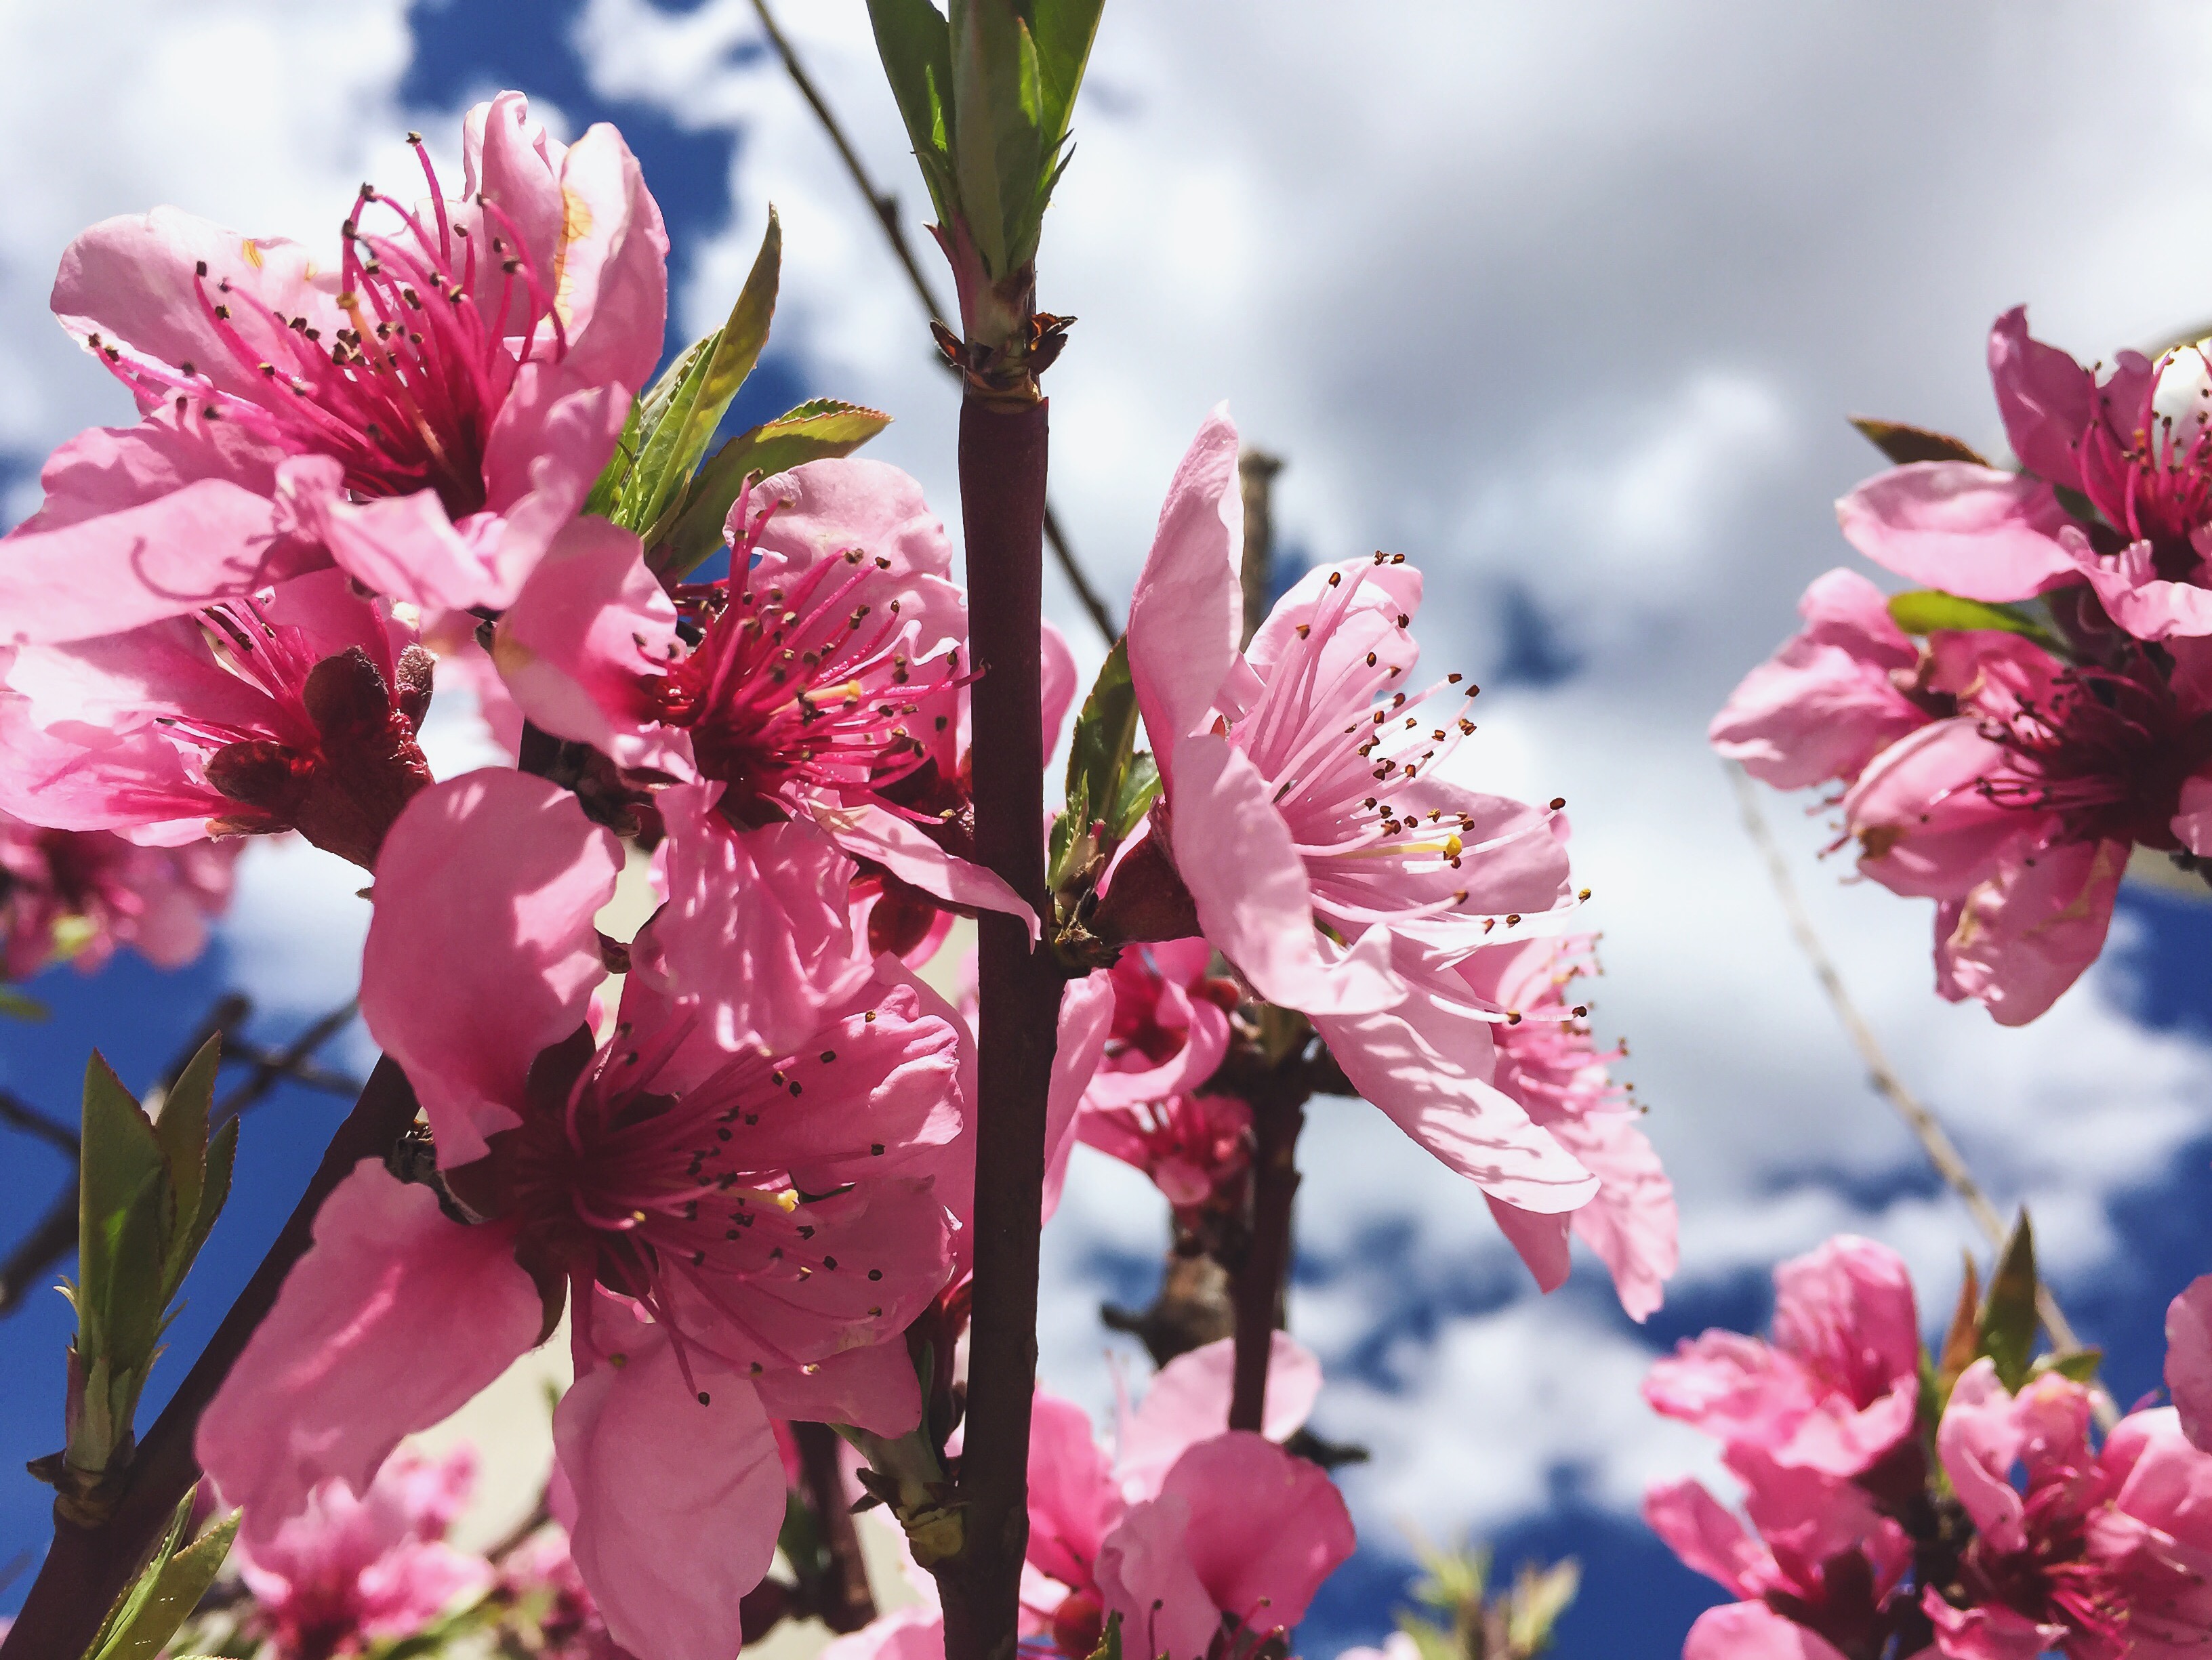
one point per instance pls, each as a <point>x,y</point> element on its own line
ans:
<point>1905,444</point>
<point>221,1157</point>
<point>2079,1365</point>
<point>15,1006</point>
<point>122,1228</point>
<point>820,430</point>
<point>1926,611</point>
<point>1141,787</point>
<point>1109,1639</point>
<point>1063,30</point>
<point>2008,1317</point>
<point>916,44</point>
<point>606,489</point>
<point>181,1130</point>
<point>674,447</point>
<point>1539,1597</point>
<point>999,152</point>
<point>1099,757</point>
<point>168,1592</point>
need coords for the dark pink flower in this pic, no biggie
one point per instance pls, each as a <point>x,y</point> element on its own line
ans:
<point>296,708</point>
<point>1548,1062</point>
<point>1326,855</point>
<point>2189,1359</point>
<point>1837,1387</point>
<point>429,410</point>
<point>657,1182</point>
<point>2104,1554</point>
<point>75,895</point>
<point>1839,692</point>
<point>352,1570</point>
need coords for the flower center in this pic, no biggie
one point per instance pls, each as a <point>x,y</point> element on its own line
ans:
<point>2150,470</point>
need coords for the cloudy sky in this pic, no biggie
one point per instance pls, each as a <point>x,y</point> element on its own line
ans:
<point>1567,303</point>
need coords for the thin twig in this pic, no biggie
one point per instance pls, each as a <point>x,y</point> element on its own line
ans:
<point>20,1114</point>
<point>291,1062</point>
<point>1935,1141</point>
<point>885,206</point>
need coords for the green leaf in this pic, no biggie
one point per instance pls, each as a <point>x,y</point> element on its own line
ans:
<point>181,1130</point>
<point>1098,763</point>
<point>1110,1640</point>
<point>2080,1364</point>
<point>999,153</point>
<point>1905,444</point>
<point>916,44</point>
<point>167,1592</point>
<point>606,489</point>
<point>2008,1315</point>
<point>1925,610</point>
<point>16,1006</point>
<point>1539,1597</point>
<point>122,1195</point>
<point>1063,30</point>
<point>221,1155</point>
<point>819,430</point>
<point>674,444</point>
<point>1141,787</point>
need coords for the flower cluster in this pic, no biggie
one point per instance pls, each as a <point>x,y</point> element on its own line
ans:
<point>1900,1505</point>
<point>75,895</point>
<point>2004,739</point>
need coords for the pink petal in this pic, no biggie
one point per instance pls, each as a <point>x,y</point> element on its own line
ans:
<point>874,1387</point>
<point>143,523</point>
<point>1188,1402</point>
<point>1186,608</point>
<point>1236,854</point>
<point>1752,1630</point>
<point>1073,1498</point>
<point>100,780</point>
<point>826,508</point>
<point>757,932</point>
<point>394,1318</point>
<point>2138,599</point>
<point>1145,1574</point>
<point>407,547</point>
<point>482,952</point>
<point>1086,1015</point>
<point>1056,683</point>
<point>1926,830</point>
<point>1734,1387</point>
<point>2189,1359</point>
<point>1992,1631</point>
<point>1540,1237</point>
<point>1706,1535</point>
<point>1966,530</point>
<point>1980,1441</point>
<point>2192,825</point>
<point>915,1633</point>
<point>1265,1527</point>
<point>515,162</point>
<point>2048,400</point>
<point>613,263</point>
<point>2021,939</point>
<point>1206,1043</point>
<point>899,846</point>
<point>553,433</point>
<point>1848,1309</point>
<point>677,1504</point>
<point>1384,592</point>
<point>1631,1223</point>
<point>580,640</point>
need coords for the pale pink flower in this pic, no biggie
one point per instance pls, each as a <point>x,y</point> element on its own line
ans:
<point>2018,813</point>
<point>2189,1359</point>
<point>427,410</point>
<point>75,895</point>
<point>655,1183</point>
<point>351,1570</point>
<point>1842,689</point>
<point>1548,1062</point>
<point>1820,1569</point>
<point>1837,1389</point>
<point>541,1571</point>
<point>293,709</point>
<point>2104,1554</point>
<point>1323,852</point>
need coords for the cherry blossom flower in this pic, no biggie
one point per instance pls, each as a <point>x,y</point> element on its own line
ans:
<point>2189,1359</point>
<point>75,895</point>
<point>2017,813</point>
<point>818,686</point>
<point>296,708</point>
<point>1839,690</point>
<point>658,1183</point>
<point>1306,811</point>
<point>540,1576</point>
<point>1548,1062</point>
<point>2102,1554</point>
<point>1837,1389</point>
<point>354,1569</point>
<point>430,410</point>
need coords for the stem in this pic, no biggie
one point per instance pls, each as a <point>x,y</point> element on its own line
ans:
<point>1935,1141</point>
<point>1255,483</point>
<point>1259,1279</point>
<point>845,1603</point>
<point>86,1569</point>
<point>1002,480</point>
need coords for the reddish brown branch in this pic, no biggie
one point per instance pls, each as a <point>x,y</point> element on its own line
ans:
<point>86,1568</point>
<point>1258,1283</point>
<point>842,1601</point>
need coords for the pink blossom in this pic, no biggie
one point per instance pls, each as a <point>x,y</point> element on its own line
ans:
<point>350,1570</point>
<point>1837,1389</point>
<point>2104,1553</point>
<point>653,1182</point>
<point>541,1574</point>
<point>824,688</point>
<point>1839,692</point>
<point>2189,1359</point>
<point>1548,1062</point>
<point>75,895</point>
<point>428,412</point>
<point>2018,813</point>
<point>1323,852</point>
<point>294,708</point>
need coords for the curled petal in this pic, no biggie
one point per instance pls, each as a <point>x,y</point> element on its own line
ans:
<point>1188,1402</point>
<point>1265,1527</point>
<point>1752,1630</point>
<point>1706,1535</point>
<point>1184,611</point>
<point>2018,941</point>
<point>2048,400</point>
<point>1969,530</point>
<point>2189,1359</point>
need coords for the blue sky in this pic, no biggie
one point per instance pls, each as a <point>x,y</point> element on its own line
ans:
<point>1570,308</point>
